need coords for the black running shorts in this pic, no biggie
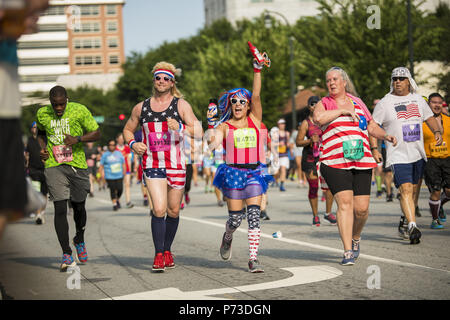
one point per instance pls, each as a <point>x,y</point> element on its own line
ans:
<point>347,179</point>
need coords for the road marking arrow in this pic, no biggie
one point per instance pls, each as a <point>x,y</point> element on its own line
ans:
<point>300,275</point>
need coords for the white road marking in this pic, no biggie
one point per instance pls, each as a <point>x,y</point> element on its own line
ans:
<point>302,243</point>
<point>300,275</point>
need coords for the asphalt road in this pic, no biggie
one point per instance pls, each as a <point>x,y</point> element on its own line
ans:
<point>303,264</point>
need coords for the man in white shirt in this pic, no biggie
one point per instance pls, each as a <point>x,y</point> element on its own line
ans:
<point>401,113</point>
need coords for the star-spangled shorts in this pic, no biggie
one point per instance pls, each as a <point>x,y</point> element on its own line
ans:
<point>176,178</point>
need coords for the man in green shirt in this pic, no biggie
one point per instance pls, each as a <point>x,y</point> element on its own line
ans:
<point>63,126</point>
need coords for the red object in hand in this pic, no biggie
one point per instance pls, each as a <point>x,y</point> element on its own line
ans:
<point>122,116</point>
<point>258,56</point>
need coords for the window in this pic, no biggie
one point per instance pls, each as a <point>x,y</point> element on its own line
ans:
<point>39,78</point>
<point>90,10</point>
<point>42,45</point>
<point>113,42</point>
<point>52,27</point>
<point>55,11</point>
<point>43,61</point>
<point>88,27</point>
<point>111,26</point>
<point>89,43</point>
<point>111,10</point>
<point>88,60</point>
<point>113,59</point>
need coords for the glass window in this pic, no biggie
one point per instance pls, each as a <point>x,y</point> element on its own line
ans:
<point>111,10</point>
<point>113,43</point>
<point>112,26</point>
<point>90,10</point>
<point>114,59</point>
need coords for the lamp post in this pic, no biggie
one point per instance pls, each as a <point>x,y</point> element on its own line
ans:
<point>291,61</point>
<point>410,39</point>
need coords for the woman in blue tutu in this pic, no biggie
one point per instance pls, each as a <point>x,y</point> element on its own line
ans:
<point>243,177</point>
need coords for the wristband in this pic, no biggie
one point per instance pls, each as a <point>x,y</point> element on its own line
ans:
<point>256,70</point>
<point>79,138</point>
<point>437,132</point>
<point>385,136</point>
<point>373,148</point>
<point>132,141</point>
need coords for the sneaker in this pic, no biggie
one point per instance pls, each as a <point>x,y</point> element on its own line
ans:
<point>323,198</point>
<point>403,228</point>
<point>40,219</point>
<point>379,194</point>
<point>255,267</point>
<point>398,196</point>
<point>414,235</point>
<point>115,207</point>
<point>389,197</point>
<point>206,189</point>
<point>225,248</point>
<point>316,221</point>
<point>67,261</point>
<point>182,206</point>
<point>220,203</point>
<point>282,188</point>
<point>349,258</point>
<point>145,202</point>
<point>186,198</point>
<point>330,218</point>
<point>418,212</point>
<point>264,215</point>
<point>91,194</point>
<point>355,248</point>
<point>168,260</point>
<point>130,205</point>
<point>436,224</point>
<point>118,204</point>
<point>81,252</point>
<point>158,263</point>
<point>442,215</point>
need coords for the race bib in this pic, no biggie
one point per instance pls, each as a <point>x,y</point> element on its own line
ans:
<point>282,149</point>
<point>90,162</point>
<point>116,168</point>
<point>411,132</point>
<point>159,141</point>
<point>63,153</point>
<point>353,149</point>
<point>439,151</point>
<point>245,138</point>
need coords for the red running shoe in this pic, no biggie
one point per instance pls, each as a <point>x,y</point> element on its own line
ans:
<point>186,197</point>
<point>158,263</point>
<point>168,260</point>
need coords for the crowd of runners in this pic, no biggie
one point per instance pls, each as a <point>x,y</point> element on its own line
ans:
<point>338,151</point>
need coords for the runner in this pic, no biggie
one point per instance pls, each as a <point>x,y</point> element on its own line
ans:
<point>140,172</point>
<point>91,159</point>
<point>298,151</point>
<point>310,157</point>
<point>126,152</point>
<point>241,178</point>
<point>283,146</point>
<point>401,112</point>
<point>63,126</point>
<point>161,118</point>
<point>113,170</point>
<point>36,169</point>
<point>345,159</point>
<point>437,169</point>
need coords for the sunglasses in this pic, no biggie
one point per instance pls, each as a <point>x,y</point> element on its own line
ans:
<point>241,101</point>
<point>313,104</point>
<point>166,79</point>
<point>394,79</point>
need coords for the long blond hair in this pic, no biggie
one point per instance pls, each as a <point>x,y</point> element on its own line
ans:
<point>349,87</point>
<point>177,72</point>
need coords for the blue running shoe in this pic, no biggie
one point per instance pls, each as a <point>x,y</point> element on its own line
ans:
<point>81,252</point>
<point>355,248</point>
<point>282,188</point>
<point>436,224</point>
<point>442,215</point>
<point>67,261</point>
<point>349,258</point>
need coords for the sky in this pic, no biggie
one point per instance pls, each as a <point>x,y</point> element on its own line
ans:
<point>148,23</point>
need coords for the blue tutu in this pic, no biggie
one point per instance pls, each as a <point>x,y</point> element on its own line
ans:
<point>241,183</point>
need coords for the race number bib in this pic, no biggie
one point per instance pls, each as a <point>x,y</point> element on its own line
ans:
<point>63,153</point>
<point>116,168</point>
<point>90,162</point>
<point>353,149</point>
<point>159,141</point>
<point>282,149</point>
<point>411,132</point>
<point>245,138</point>
<point>439,151</point>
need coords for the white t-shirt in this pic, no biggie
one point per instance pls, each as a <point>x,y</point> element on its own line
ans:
<point>297,150</point>
<point>402,117</point>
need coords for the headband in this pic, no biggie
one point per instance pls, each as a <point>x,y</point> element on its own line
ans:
<point>164,71</point>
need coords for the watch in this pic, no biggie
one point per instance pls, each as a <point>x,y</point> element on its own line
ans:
<point>79,138</point>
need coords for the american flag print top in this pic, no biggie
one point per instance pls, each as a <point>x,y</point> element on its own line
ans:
<point>165,147</point>
<point>407,111</point>
<point>345,145</point>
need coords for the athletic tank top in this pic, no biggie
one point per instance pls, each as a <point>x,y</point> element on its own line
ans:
<point>431,150</point>
<point>312,152</point>
<point>345,145</point>
<point>282,146</point>
<point>243,146</point>
<point>164,146</point>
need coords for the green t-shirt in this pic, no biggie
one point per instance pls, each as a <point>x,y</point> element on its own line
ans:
<point>76,121</point>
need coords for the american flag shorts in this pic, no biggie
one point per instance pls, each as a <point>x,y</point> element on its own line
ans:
<point>176,178</point>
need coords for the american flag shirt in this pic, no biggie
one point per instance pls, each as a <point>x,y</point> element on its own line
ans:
<point>402,117</point>
<point>165,147</point>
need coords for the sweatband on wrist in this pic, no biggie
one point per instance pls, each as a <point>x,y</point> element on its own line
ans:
<point>255,70</point>
<point>131,143</point>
